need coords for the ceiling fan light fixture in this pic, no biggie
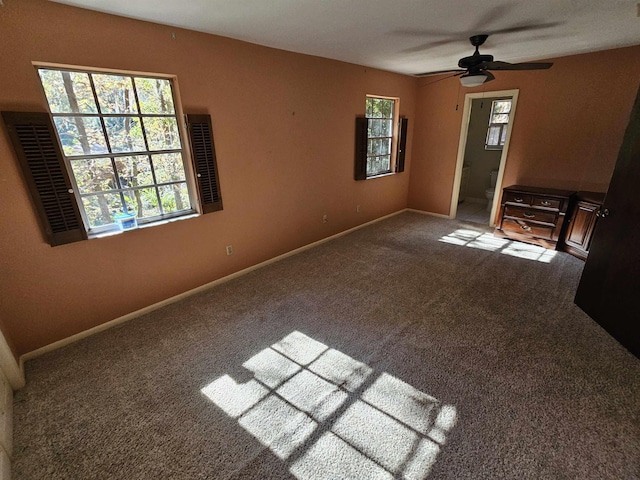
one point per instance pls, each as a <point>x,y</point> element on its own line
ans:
<point>473,80</point>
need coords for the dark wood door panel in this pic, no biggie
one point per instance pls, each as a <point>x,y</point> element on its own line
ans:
<point>610,282</point>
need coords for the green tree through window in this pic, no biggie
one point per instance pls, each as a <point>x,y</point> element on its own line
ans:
<point>380,114</point>
<point>120,138</point>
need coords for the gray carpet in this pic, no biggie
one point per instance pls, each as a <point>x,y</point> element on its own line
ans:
<point>414,348</point>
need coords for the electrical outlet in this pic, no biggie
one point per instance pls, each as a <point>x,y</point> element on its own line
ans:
<point>357,208</point>
<point>229,249</point>
<point>325,219</point>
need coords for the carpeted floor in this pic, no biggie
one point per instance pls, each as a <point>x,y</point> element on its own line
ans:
<point>414,348</point>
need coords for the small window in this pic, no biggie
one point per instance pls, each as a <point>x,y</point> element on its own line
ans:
<point>381,139</point>
<point>121,144</point>
<point>380,113</point>
<point>498,123</point>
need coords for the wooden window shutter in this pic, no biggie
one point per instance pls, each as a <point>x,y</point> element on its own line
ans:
<point>40,157</point>
<point>402,144</point>
<point>204,162</point>
<point>362,129</point>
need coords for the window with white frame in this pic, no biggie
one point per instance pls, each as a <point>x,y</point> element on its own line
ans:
<point>121,144</point>
<point>498,123</point>
<point>380,113</point>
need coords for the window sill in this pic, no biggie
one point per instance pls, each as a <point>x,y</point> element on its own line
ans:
<point>380,175</point>
<point>164,221</point>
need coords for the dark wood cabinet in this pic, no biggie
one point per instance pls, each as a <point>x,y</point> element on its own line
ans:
<point>533,214</point>
<point>582,221</point>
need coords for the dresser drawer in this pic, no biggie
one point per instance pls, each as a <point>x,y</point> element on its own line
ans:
<point>526,228</point>
<point>516,197</point>
<point>530,214</point>
<point>546,202</point>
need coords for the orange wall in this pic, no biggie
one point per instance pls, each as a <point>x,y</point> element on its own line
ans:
<point>284,131</point>
<point>567,130</point>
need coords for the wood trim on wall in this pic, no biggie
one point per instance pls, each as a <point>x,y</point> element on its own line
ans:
<point>143,311</point>
<point>10,366</point>
<point>462,145</point>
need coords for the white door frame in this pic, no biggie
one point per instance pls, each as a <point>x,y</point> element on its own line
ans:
<point>462,145</point>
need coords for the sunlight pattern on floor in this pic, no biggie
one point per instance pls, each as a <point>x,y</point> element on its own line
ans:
<point>486,241</point>
<point>330,416</point>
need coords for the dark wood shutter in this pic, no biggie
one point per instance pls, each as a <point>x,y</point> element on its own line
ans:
<point>362,128</point>
<point>402,144</point>
<point>40,157</point>
<point>204,162</point>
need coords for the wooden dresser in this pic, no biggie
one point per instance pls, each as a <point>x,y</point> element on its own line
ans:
<point>584,209</point>
<point>533,214</point>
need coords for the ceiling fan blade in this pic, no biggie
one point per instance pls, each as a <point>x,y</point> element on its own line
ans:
<point>514,66</point>
<point>426,46</point>
<point>525,28</point>
<point>439,72</point>
<point>443,78</point>
<point>489,76</point>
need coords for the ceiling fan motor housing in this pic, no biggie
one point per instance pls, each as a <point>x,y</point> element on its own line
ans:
<point>474,60</point>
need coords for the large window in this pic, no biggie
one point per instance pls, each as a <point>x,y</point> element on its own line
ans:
<point>380,113</point>
<point>121,144</point>
<point>498,123</point>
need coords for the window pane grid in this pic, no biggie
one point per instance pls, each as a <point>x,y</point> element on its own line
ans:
<point>121,154</point>
<point>124,123</point>
<point>118,190</point>
<point>498,123</point>
<point>380,113</point>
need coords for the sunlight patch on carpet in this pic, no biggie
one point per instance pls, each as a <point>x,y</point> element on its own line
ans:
<point>328,415</point>
<point>485,241</point>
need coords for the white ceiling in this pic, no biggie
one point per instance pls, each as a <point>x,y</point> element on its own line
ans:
<point>405,36</point>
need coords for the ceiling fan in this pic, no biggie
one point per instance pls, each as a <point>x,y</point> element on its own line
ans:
<point>476,68</point>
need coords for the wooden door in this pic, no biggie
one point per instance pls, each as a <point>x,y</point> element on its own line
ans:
<point>609,290</point>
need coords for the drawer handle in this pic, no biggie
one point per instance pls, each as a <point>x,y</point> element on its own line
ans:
<point>529,215</point>
<point>525,227</point>
<point>518,199</point>
<point>545,203</point>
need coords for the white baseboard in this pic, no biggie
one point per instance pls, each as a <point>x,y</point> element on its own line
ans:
<point>112,323</point>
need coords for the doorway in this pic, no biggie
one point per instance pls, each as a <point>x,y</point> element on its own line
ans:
<point>482,154</point>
